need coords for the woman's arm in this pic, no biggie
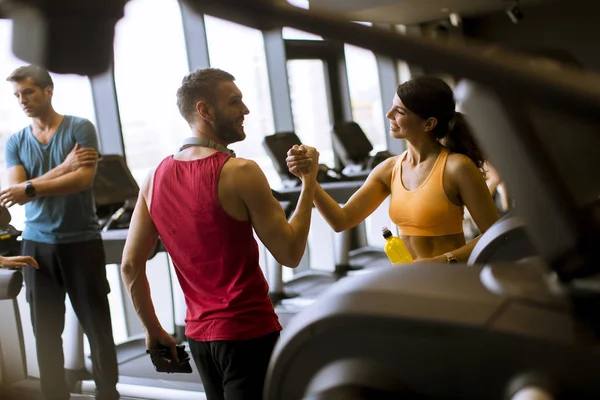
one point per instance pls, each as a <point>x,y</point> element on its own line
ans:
<point>360,205</point>
<point>18,262</point>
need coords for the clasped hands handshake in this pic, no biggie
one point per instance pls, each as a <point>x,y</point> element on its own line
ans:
<point>303,161</point>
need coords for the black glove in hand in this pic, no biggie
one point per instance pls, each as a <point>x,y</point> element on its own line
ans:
<point>164,362</point>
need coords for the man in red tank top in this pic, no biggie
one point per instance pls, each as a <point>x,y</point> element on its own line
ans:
<point>205,203</point>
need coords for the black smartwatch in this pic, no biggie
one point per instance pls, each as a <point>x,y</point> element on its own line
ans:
<point>29,189</point>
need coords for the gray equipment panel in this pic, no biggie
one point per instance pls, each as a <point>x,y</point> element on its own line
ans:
<point>426,323</point>
<point>506,240</point>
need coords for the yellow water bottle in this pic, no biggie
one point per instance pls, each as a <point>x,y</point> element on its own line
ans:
<point>394,248</point>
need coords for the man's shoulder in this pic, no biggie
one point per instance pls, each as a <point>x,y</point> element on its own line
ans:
<point>80,130</point>
<point>77,121</point>
<point>242,178</point>
<point>242,165</point>
<point>19,135</point>
<point>242,171</point>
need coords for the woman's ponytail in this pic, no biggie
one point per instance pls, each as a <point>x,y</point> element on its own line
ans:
<point>459,140</point>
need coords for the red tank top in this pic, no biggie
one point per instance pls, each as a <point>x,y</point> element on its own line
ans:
<point>215,256</point>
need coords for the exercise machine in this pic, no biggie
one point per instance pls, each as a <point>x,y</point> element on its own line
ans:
<point>276,147</point>
<point>506,240</point>
<point>13,365</point>
<point>354,148</point>
<point>434,331</point>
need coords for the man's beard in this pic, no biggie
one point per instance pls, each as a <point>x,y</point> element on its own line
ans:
<point>225,129</point>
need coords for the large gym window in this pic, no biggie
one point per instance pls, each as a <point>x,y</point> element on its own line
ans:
<point>363,80</point>
<point>150,62</point>
<point>72,95</point>
<point>368,110</point>
<point>310,106</point>
<point>239,50</point>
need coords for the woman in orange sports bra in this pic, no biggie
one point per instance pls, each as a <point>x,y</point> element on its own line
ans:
<point>439,174</point>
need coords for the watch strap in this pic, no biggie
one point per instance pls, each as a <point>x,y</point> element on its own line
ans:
<point>450,258</point>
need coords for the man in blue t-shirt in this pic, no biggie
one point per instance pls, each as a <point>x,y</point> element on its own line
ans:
<point>51,166</point>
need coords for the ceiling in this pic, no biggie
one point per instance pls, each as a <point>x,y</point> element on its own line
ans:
<point>406,12</point>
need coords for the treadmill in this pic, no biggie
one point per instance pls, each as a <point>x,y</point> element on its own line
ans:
<point>354,148</point>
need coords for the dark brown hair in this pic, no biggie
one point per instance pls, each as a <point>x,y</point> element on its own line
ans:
<point>428,97</point>
<point>199,85</point>
<point>39,75</point>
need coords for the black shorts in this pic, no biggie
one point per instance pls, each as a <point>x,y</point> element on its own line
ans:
<point>233,369</point>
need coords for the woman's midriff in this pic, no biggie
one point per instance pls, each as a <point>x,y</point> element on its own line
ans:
<point>431,246</point>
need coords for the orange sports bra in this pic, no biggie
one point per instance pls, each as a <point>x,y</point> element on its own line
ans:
<point>425,211</point>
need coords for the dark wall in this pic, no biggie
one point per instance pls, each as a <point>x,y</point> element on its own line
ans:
<point>572,25</point>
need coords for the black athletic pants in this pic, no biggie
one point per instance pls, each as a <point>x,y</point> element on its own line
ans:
<point>77,269</point>
<point>233,369</point>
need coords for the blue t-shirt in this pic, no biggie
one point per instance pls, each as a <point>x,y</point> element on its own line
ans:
<point>56,219</point>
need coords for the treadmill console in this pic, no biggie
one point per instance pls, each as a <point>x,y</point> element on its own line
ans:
<point>277,146</point>
<point>115,192</point>
<point>9,241</point>
<point>354,148</point>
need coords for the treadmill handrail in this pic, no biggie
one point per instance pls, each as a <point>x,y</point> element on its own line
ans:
<point>339,191</point>
<point>11,283</point>
<point>501,228</point>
